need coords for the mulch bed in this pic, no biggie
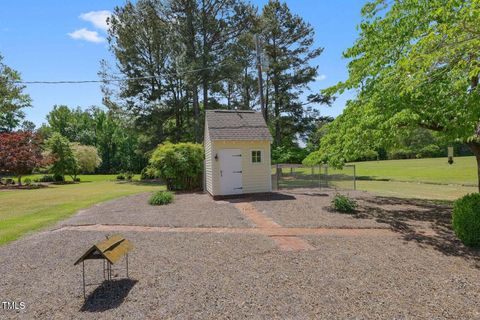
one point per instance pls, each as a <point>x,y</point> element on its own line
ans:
<point>22,187</point>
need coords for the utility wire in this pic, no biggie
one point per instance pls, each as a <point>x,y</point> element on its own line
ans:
<point>113,79</point>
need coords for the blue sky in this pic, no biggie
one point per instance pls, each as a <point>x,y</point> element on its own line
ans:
<point>64,40</point>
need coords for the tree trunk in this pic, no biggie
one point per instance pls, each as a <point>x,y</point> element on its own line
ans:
<point>192,59</point>
<point>475,148</point>
<point>19,180</point>
<point>246,94</point>
<point>196,112</point>
<point>277,114</point>
<point>205,51</point>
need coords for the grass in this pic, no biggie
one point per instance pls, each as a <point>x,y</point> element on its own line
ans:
<point>23,211</point>
<point>416,178</point>
<point>433,170</point>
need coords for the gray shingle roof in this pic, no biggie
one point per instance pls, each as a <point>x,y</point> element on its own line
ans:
<point>236,125</point>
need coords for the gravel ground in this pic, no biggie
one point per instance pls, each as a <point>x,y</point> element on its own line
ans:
<point>307,208</point>
<point>193,276</point>
<point>188,210</point>
<point>421,273</point>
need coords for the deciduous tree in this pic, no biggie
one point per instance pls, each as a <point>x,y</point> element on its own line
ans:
<point>62,156</point>
<point>415,64</point>
<point>12,98</point>
<point>20,153</point>
<point>87,159</point>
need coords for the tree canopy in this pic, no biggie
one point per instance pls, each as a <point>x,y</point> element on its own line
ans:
<point>12,98</point>
<point>187,56</point>
<point>415,64</point>
<point>20,153</point>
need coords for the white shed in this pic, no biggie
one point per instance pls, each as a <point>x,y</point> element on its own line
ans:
<point>237,153</point>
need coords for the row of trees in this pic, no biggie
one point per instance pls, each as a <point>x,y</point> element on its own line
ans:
<point>22,152</point>
<point>174,60</point>
<point>117,142</point>
<point>182,57</point>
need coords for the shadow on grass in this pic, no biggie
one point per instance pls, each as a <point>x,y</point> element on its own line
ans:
<point>428,223</point>
<point>143,183</point>
<point>109,295</point>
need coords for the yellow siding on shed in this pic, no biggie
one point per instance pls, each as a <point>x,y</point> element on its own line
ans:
<point>256,177</point>
<point>208,162</point>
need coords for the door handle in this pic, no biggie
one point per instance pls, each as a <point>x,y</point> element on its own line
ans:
<point>221,173</point>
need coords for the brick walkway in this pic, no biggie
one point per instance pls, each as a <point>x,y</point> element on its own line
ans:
<point>287,239</point>
<point>263,223</point>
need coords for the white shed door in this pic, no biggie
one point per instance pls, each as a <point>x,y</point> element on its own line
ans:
<point>230,171</point>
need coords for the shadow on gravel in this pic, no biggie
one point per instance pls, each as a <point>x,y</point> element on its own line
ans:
<point>109,295</point>
<point>428,223</point>
<point>273,196</point>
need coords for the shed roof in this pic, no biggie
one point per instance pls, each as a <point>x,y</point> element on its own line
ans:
<point>112,249</point>
<point>236,125</point>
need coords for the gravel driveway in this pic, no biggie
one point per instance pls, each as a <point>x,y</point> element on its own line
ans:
<point>246,276</point>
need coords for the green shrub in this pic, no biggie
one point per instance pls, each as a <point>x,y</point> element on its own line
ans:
<point>76,179</point>
<point>161,198</point>
<point>179,165</point>
<point>466,219</point>
<point>344,204</point>
<point>58,178</point>
<point>429,151</point>
<point>121,176</point>
<point>46,178</point>
<point>148,173</point>
<point>27,181</point>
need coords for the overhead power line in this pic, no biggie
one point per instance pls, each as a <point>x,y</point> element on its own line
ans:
<point>112,79</point>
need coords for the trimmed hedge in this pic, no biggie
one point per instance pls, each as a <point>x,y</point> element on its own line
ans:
<point>179,165</point>
<point>161,198</point>
<point>466,219</point>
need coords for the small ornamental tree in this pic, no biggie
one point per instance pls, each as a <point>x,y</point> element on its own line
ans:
<point>20,153</point>
<point>62,156</point>
<point>179,165</point>
<point>87,159</point>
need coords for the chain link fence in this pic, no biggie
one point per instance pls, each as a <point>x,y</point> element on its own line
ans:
<point>289,176</point>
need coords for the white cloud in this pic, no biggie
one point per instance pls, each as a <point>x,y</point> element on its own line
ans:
<point>321,77</point>
<point>87,35</point>
<point>97,18</point>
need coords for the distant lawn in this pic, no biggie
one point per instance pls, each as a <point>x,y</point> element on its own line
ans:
<point>430,178</point>
<point>22,211</point>
<point>436,170</point>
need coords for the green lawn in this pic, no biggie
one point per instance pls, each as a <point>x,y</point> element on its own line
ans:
<point>22,211</point>
<point>416,178</point>
<point>435,170</point>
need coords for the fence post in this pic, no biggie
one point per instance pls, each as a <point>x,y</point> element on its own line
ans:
<point>326,176</point>
<point>278,177</point>
<point>320,176</point>
<point>354,177</point>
